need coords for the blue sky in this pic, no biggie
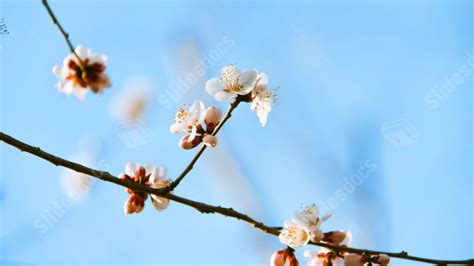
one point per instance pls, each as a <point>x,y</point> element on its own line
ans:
<point>376,90</point>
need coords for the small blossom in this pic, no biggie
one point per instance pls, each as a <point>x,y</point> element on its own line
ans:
<point>262,98</point>
<point>77,185</point>
<point>382,259</point>
<point>285,257</point>
<point>294,235</point>
<point>133,101</point>
<point>158,180</point>
<point>145,175</point>
<point>309,218</point>
<point>231,82</point>
<point>199,122</point>
<point>78,78</point>
<point>354,260</point>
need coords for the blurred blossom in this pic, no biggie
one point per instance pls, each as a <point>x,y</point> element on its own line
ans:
<point>80,76</point>
<point>75,185</point>
<point>133,101</point>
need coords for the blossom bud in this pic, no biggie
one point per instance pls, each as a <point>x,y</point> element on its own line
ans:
<point>353,260</point>
<point>284,257</point>
<point>134,204</point>
<point>382,259</point>
<point>213,116</point>
<point>335,237</point>
<point>187,145</point>
<point>209,140</point>
<point>316,236</point>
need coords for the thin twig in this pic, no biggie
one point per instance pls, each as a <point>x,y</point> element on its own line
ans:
<point>203,207</point>
<point>196,157</point>
<point>65,34</point>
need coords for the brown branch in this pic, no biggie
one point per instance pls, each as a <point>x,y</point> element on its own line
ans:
<point>190,166</point>
<point>203,207</point>
<point>61,29</point>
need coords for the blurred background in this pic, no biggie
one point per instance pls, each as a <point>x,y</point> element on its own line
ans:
<point>373,122</point>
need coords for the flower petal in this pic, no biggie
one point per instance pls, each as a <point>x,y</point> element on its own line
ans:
<point>223,96</point>
<point>247,80</point>
<point>131,168</point>
<point>214,85</point>
<point>82,51</point>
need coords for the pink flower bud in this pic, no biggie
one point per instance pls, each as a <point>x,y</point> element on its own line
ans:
<point>213,116</point>
<point>209,140</point>
<point>134,204</point>
<point>316,236</point>
<point>382,259</point>
<point>353,260</point>
<point>284,257</point>
<point>335,237</point>
<point>183,143</point>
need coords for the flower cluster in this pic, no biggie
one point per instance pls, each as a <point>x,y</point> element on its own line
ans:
<point>250,85</point>
<point>199,123</point>
<point>78,76</point>
<point>304,228</point>
<point>145,175</point>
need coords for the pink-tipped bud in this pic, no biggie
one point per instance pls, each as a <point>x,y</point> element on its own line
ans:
<point>134,204</point>
<point>187,145</point>
<point>316,236</point>
<point>382,259</point>
<point>335,237</point>
<point>284,257</point>
<point>213,116</point>
<point>353,260</point>
<point>209,140</point>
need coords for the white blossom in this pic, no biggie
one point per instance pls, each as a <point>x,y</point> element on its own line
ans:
<point>189,121</point>
<point>231,82</point>
<point>262,98</point>
<point>309,218</point>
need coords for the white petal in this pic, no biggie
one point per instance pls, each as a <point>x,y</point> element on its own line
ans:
<point>131,168</point>
<point>162,171</point>
<point>159,203</point>
<point>193,134</point>
<point>65,87</point>
<point>82,51</point>
<point>223,96</point>
<point>214,85</point>
<point>247,80</point>
<point>80,93</point>
<point>57,70</point>
<point>262,115</point>
<point>326,216</point>
<point>262,79</point>
<point>148,168</point>
<point>99,58</point>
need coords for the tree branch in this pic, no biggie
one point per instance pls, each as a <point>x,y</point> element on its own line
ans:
<point>203,207</point>
<point>61,29</point>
